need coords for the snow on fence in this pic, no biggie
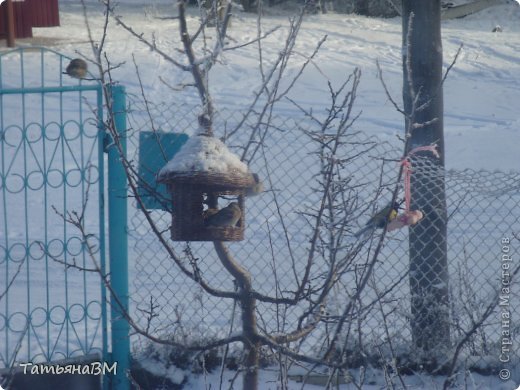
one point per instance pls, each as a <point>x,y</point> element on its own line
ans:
<point>482,209</point>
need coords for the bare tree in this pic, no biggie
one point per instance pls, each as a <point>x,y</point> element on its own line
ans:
<point>329,223</point>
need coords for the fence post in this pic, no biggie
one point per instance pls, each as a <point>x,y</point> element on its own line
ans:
<point>9,23</point>
<point>118,242</point>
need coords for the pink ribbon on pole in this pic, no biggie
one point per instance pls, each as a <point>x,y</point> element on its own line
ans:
<point>407,170</point>
<point>410,217</point>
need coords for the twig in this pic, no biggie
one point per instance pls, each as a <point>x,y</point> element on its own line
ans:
<point>13,278</point>
<point>198,74</point>
<point>151,45</point>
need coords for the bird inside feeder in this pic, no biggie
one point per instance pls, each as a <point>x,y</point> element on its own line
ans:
<point>226,217</point>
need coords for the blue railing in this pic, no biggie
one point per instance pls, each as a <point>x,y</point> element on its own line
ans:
<point>52,170</point>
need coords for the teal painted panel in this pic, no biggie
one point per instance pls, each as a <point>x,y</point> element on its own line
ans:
<point>156,148</point>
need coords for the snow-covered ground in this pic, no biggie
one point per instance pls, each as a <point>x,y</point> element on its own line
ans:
<point>481,95</point>
<point>481,126</point>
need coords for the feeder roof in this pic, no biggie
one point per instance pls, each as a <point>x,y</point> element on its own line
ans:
<point>202,154</point>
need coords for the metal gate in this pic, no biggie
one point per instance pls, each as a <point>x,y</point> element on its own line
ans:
<point>52,306</point>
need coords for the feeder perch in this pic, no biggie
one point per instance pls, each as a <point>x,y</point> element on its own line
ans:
<point>205,175</point>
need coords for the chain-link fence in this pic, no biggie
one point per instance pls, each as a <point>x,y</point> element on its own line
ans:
<point>482,214</point>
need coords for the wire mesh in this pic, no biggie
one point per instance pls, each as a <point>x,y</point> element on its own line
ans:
<point>482,211</point>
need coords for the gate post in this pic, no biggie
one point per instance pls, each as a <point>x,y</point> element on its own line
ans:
<point>9,23</point>
<point>118,242</point>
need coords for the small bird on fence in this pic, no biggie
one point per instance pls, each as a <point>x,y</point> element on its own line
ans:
<point>228,216</point>
<point>77,68</point>
<point>256,188</point>
<point>380,219</point>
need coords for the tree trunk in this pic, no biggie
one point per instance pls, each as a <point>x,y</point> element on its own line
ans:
<point>249,328</point>
<point>361,7</point>
<point>248,305</point>
<point>428,246</point>
<point>248,5</point>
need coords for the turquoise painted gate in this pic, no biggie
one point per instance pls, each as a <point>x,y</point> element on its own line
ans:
<point>52,306</point>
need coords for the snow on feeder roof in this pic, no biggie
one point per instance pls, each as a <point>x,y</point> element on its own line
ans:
<point>203,154</point>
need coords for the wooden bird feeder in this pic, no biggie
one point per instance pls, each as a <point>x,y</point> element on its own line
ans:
<point>193,193</point>
<point>204,176</point>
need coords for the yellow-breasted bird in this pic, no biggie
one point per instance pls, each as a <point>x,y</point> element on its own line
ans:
<point>228,216</point>
<point>380,219</point>
<point>77,68</point>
